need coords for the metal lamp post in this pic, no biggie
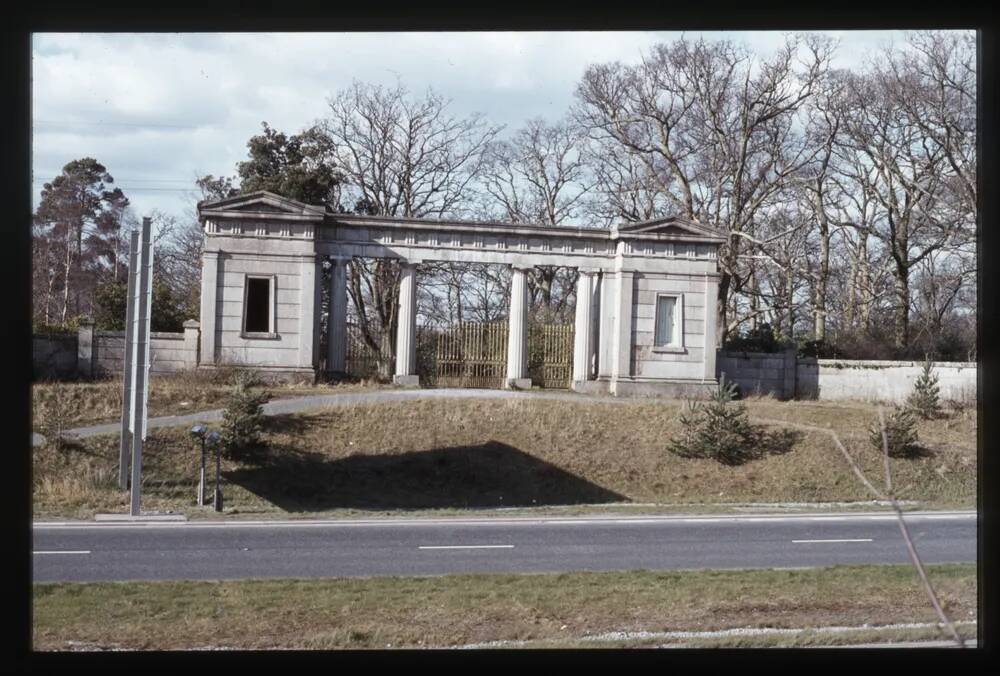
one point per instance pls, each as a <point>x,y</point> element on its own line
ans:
<point>214,440</point>
<point>198,431</point>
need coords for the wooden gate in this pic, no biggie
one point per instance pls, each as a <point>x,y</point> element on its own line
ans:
<point>361,360</point>
<point>472,355</point>
<point>550,355</point>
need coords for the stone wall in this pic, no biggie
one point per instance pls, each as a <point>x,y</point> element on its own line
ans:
<point>99,354</point>
<point>880,380</point>
<point>53,356</point>
<point>783,376</point>
<point>758,373</point>
<point>685,361</point>
<point>293,289</point>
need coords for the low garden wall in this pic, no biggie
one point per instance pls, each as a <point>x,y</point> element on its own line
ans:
<point>784,376</point>
<point>95,354</point>
<point>758,372</point>
<point>880,380</point>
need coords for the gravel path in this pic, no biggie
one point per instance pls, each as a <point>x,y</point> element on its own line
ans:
<point>298,404</point>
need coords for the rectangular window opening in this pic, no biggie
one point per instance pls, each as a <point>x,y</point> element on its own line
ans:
<point>258,305</point>
<point>666,321</point>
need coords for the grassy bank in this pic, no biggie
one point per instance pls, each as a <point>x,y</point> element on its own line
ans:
<point>456,454</point>
<point>91,402</point>
<point>555,610</point>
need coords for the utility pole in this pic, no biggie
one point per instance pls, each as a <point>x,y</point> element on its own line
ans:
<point>140,361</point>
<point>124,445</point>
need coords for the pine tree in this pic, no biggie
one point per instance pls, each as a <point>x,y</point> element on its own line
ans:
<point>900,432</point>
<point>925,400</point>
<point>719,429</point>
<point>243,417</point>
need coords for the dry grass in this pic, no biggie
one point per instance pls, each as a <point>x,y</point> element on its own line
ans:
<point>451,610</point>
<point>76,404</point>
<point>438,454</point>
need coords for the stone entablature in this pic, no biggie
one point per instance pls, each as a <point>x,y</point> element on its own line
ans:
<point>625,268</point>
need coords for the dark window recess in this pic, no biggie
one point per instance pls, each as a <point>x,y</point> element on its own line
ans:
<point>258,306</point>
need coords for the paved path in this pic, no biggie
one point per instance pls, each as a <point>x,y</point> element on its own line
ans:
<point>84,551</point>
<point>318,401</point>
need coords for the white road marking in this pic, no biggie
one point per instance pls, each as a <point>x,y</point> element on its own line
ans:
<point>466,547</point>
<point>64,551</point>
<point>485,521</point>
<point>804,542</point>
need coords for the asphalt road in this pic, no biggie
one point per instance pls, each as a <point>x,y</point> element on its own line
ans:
<point>311,549</point>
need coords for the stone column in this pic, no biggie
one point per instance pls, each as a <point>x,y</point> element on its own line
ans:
<point>711,317</point>
<point>406,331</point>
<point>85,348</point>
<point>621,346</point>
<point>582,337</point>
<point>336,322</point>
<point>517,334</point>
<point>606,330</point>
<point>209,287</point>
<point>596,310</point>
<point>310,271</point>
<point>191,340</point>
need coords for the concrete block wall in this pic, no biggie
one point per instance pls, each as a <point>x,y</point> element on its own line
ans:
<point>889,381</point>
<point>785,377</point>
<point>102,353</point>
<point>760,373</point>
<point>281,350</point>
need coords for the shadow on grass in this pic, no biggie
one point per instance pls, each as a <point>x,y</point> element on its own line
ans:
<point>492,474</point>
<point>762,444</point>
<point>912,452</point>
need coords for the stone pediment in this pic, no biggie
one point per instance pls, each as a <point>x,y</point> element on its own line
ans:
<point>260,204</point>
<point>673,226</point>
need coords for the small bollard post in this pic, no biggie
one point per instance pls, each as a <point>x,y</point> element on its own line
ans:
<point>213,438</point>
<point>199,432</point>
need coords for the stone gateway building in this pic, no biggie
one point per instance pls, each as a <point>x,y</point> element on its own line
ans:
<point>645,312</point>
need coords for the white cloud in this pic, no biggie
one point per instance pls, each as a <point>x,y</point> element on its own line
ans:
<point>166,106</point>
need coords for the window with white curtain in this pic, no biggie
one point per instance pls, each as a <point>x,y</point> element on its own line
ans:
<point>667,321</point>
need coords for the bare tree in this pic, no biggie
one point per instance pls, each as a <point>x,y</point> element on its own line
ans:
<point>713,126</point>
<point>400,156</point>
<point>539,177</point>
<point>905,177</point>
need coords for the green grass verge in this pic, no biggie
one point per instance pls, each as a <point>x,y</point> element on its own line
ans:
<point>453,610</point>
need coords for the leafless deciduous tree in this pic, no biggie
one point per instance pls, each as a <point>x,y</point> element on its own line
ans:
<point>400,156</point>
<point>714,127</point>
<point>540,177</point>
<point>906,178</point>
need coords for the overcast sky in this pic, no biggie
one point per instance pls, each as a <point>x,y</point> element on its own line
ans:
<point>160,109</point>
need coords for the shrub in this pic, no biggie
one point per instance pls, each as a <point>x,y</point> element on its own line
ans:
<point>243,417</point>
<point>900,433</point>
<point>925,400</point>
<point>760,339</point>
<point>718,429</point>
